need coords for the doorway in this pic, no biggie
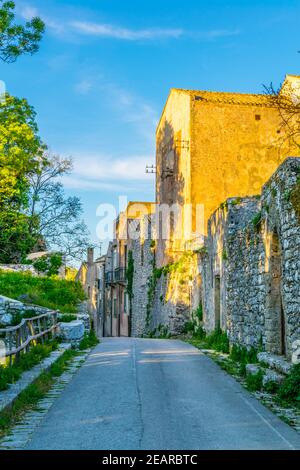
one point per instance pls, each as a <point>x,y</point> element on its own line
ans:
<point>217,301</point>
<point>277,329</point>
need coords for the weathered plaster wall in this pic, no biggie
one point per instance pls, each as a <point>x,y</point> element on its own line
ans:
<point>236,144</point>
<point>212,146</point>
<point>173,166</point>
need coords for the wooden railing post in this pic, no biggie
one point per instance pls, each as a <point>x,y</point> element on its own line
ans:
<point>19,338</point>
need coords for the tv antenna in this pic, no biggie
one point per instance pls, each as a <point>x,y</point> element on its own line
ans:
<point>151,169</point>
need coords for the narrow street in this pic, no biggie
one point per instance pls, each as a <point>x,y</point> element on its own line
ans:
<point>157,394</point>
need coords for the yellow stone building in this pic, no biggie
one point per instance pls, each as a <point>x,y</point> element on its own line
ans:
<point>212,146</point>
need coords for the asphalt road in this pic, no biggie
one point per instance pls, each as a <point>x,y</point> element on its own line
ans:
<point>157,394</point>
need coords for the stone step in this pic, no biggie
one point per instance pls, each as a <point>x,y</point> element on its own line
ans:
<point>271,376</point>
<point>253,369</point>
<point>278,363</point>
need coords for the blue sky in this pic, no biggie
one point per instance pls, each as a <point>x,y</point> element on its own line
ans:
<point>105,67</point>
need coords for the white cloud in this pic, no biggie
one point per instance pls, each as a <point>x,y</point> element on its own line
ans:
<point>69,28</point>
<point>84,86</point>
<point>27,12</point>
<point>77,182</point>
<point>219,33</point>
<point>131,109</point>
<point>110,31</point>
<point>102,172</point>
<point>105,167</point>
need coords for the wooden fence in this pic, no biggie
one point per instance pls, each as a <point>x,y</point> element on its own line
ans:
<point>17,339</point>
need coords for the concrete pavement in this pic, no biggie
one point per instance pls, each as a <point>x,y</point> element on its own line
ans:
<point>157,394</point>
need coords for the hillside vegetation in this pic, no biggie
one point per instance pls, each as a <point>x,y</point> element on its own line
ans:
<point>54,293</point>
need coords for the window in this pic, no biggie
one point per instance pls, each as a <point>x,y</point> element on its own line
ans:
<point>257,117</point>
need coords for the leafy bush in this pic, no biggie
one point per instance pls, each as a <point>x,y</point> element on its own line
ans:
<point>48,264</point>
<point>129,275</point>
<point>56,294</point>
<point>271,387</point>
<point>255,381</point>
<point>67,318</point>
<point>243,355</point>
<point>198,313</point>
<point>257,220</point>
<point>199,333</point>
<point>89,341</point>
<point>289,390</point>
<point>189,327</point>
<point>218,340</point>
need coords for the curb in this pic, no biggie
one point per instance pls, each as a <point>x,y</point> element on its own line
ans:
<point>7,397</point>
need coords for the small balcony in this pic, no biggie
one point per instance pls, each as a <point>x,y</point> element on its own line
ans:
<point>116,276</point>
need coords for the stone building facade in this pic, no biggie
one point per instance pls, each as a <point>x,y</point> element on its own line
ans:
<point>250,267</point>
<point>132,239</point>
<point>225,153</point>
<point>212,146</point>
<point>90,275</point>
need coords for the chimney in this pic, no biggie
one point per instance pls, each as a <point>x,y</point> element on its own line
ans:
<point>90,255</point>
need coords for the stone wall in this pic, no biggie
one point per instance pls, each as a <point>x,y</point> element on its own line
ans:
<point>20,268</point>
<point>176,294</point>
<point>251,266</point>
<point>162,297</point>
<point>9,308</point>
<point>221,260</point>
<point>142,253</point>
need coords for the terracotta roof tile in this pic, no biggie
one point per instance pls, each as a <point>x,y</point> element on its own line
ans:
<point>229,98</point>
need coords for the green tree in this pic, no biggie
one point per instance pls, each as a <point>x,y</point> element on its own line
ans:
<point>16,39</point>
<point>20,151</point>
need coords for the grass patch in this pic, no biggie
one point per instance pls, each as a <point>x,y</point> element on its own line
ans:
<point>89,341</point>
<point>289,389</point>
<point>29,398</point>
<point>53,293</point>
<point>161,332</point>
<point>257,221</point>
<point>217,340</point>
<point>67,318</point>
<point>254,382</point>
<point>10,374</point>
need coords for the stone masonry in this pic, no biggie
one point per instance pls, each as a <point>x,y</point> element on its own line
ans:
<point>142,253</point>
<point>250,266</point>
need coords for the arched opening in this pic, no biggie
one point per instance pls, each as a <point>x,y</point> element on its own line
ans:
<point>276,325</point>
